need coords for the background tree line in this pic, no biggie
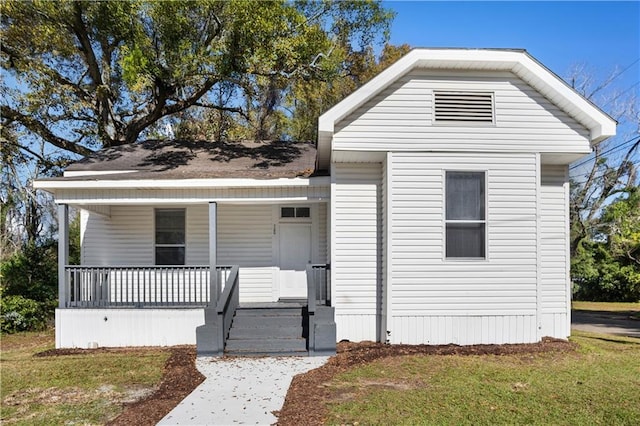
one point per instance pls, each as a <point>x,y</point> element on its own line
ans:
<point>605,199</point>
<point>80,76</point>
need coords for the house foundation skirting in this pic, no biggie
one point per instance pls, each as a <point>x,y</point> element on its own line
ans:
<point>90,328</point>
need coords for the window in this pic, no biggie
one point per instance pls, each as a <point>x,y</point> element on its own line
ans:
<point>170,236</point>
<point>295,212</point>
<point>465,219</point>
<point>463,107</point>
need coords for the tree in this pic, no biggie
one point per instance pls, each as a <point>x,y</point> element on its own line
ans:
<point>308,100</point>
<point>604,206</point>
<point>607,267</point>
<point>82,75</point>
<point>611,171</point>
<point>290,110</point>
<point>92,74</point>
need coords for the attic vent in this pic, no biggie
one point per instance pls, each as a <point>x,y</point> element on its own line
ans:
<point>463,107</point>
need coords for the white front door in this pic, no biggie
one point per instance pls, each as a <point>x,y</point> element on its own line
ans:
<point>295,254</point>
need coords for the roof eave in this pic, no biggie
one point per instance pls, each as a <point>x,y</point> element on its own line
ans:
<point>51,185</point>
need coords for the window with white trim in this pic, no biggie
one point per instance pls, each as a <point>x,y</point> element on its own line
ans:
<point>465,215</point>
<point>170,236</point>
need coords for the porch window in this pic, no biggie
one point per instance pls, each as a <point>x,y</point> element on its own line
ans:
<point>170,236</point>
<point>465,215</point>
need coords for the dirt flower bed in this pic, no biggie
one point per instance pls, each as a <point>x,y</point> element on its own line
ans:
<point>308,393</point>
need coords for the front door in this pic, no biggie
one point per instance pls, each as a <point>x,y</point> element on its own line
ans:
<point>295,254</point>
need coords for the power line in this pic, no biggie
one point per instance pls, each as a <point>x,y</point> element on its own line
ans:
<point>622,93</point>
<point>624,70</point>
<point>611,79</point>
<point>613,148</point>
<point>603,174</point>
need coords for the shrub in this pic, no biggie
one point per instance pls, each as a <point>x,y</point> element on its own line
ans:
<point>18,313</point>
<point>598,276</point>
<point>32,272</point>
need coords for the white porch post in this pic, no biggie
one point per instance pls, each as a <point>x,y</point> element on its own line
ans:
<point>63,252</point>
<point>213,247</point>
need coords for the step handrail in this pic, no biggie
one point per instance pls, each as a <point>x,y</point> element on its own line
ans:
<point>313,285</point>
<point>227,305</point>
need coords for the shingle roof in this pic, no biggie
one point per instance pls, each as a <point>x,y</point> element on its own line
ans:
<point>178,159</point>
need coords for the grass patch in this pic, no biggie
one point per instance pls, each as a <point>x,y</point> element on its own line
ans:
<point>88,388</point>
<point>629,308</point>
<point>597,384</point>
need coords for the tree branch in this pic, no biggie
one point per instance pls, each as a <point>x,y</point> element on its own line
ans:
<point>161,109</point>
<point>236,110</point>
<point>41,130</point>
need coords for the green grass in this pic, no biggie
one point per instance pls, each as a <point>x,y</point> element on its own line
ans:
<point>597,384</point>
<point>631,309</point>
<point>88,388</point>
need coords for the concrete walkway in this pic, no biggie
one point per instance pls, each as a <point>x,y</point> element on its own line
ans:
<point>240,390</point>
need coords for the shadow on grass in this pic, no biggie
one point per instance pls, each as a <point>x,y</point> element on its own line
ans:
<point>609,338</point>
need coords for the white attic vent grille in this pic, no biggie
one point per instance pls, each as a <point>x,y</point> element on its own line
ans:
<point>463,107</point>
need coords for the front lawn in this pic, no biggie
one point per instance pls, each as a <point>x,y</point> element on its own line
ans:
<point>632,309</point>
<point>598,383</point>
<point>87,388</point>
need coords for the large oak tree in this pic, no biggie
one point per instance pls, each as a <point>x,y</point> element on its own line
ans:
<point>84,74</point>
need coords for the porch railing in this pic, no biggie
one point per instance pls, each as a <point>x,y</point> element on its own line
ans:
<point>319,284</point>
<point>139,286</point>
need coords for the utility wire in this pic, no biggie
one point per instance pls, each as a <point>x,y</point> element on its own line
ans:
<point>603,174</point>
<point>621,93</point>
<point>611,79</point>
<point>624,70</point>
<point>613,148</point>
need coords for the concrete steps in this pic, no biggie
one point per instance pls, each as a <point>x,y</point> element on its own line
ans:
<point>267,329</point>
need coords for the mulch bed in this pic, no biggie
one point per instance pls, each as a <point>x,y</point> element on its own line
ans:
<point>305,401</point>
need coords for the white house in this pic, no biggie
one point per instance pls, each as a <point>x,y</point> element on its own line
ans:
<point>434,210</point>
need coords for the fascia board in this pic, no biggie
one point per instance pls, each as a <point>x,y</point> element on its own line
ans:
<point>48,184</point>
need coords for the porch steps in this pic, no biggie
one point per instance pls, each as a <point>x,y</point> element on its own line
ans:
<point>267,329</point>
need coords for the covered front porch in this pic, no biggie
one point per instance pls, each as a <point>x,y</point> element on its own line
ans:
<point>151,269</point>
<point>163,306</point>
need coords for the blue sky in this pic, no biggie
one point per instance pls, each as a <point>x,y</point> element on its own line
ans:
<point>601,35</point>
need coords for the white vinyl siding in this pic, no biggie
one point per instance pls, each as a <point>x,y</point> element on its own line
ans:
<point>554,243</point>
<point>198,235</point>
<point>245,238</point>
<point>400,118</point>
<point>123,239</point>
<point>355,249</point>
<point>428,290</point>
